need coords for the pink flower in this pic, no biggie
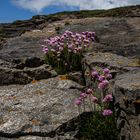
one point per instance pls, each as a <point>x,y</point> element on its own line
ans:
<point>101,78</point>
<point>83,95</point>
<point>78,102</point>
<point>94,99</point>
<point>105,82</point>
<point>106,70</point>
<point>108,98</point>
<point>86,41</point>
<point>70,46</point>
<point>65,35</point>
<point>73,36</point>
<point>101,86</point>
<point>93,34</point>
<point>80,98</point>
<point>83,36</point>
<point>94,74</point>
<point>45,50</point>
<point>108,76</point>
<point>89,91</point>
<point>62,38</point>
<point>77,43</point>
<point>107,112</point>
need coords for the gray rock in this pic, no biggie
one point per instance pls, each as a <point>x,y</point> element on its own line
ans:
<point>9,74</point>
<point>42,72</point>
<point>38,109</point>
<point>127,101</point>
<point>22,48</point>
<point>30,62</point>
<point>66,137</point>
<point>116,63</point>
<point>115,35</point>
<point>77,77</point>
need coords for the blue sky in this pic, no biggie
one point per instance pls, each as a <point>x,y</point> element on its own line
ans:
<point>11,10</point>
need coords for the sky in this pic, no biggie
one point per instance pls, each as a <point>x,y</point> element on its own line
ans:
<point>11,10</point>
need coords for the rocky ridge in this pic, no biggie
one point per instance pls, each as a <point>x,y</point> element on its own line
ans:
<point>36,109</point>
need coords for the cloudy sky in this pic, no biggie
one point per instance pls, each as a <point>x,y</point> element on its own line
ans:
<point>11,10</point>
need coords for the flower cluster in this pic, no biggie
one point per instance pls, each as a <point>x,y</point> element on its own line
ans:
<point>108,98</point>
<point>83,96</point>
<point>74,42</point>
<point>107,112</point>
<point>102,77</point>
<point>66,50</point>
<point>102,98</point>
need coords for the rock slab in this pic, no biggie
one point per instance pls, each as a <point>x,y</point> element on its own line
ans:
<point>127,102</point>
<point>38,109</point>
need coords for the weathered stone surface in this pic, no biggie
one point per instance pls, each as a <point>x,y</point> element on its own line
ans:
<point>127,101</point>
<point>41,138</point>
<point>77,77</point>
<point>116,35</point>
<point>117,64</point>
<point>39,108</point>
<point>22,48</point>
<point>10,75</point>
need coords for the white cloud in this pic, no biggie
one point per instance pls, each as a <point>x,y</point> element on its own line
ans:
<point>39,5</point>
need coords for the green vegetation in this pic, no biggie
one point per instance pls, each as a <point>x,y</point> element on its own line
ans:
<point>98,127</point>
<point>129,11</point>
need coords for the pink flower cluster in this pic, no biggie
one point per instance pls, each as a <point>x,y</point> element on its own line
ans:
<point>89,93</point>
<point>102,78</point>
<point>107,112</point>
<point>108,98</point>
<point>73,42</point>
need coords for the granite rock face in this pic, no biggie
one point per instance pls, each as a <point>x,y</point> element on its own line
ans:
<point>38,109</point>
<point>127,101</point>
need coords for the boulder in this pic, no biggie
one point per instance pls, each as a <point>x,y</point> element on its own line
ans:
<point>127,102</point>
<point>43,108</point>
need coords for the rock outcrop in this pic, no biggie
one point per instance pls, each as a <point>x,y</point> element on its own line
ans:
<point>11,74</point>
<point>115,35</point>
<point>116,63</point>
<point>127,101</point>
<point>39,109</point>
<point>43,110</point>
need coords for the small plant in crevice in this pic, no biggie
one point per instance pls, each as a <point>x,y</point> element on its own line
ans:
<point>101,125</point>
<point>64,52</point>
